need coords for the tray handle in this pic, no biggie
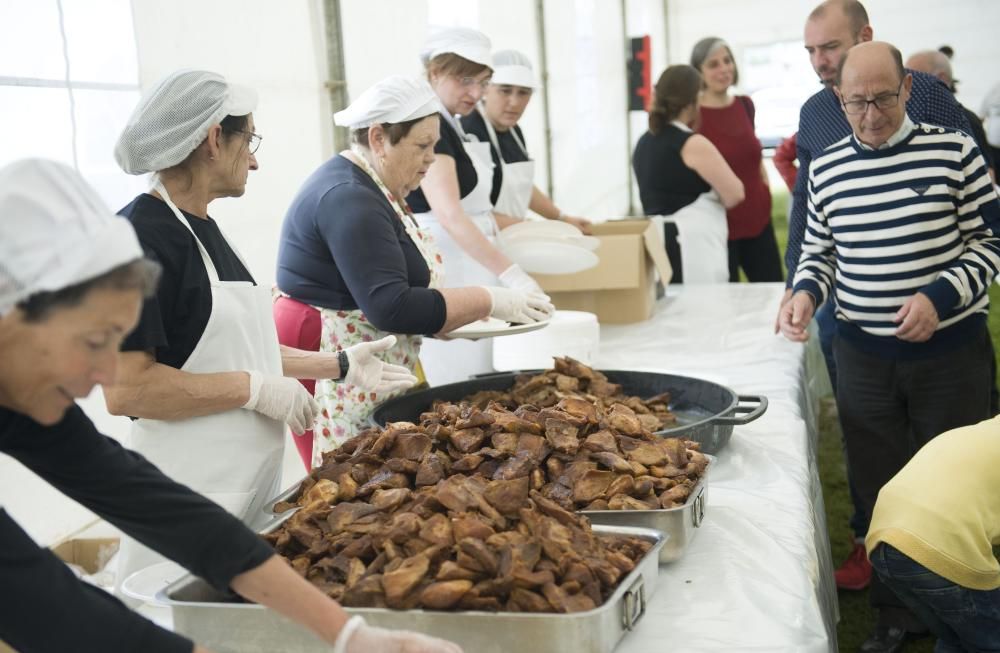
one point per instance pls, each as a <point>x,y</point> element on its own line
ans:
<point>698,508</point>
<point>744,414</point>
<point>634,604</point>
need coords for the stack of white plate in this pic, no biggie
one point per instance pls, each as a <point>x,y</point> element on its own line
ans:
<point>548,247</point>
<point>569,333</point>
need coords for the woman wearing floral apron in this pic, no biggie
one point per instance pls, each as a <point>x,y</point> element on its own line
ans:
<point>352,254</point>
<point>453,201</point>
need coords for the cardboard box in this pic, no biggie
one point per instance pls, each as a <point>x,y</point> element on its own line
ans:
<point>622,287</point>
<point>90,554</point>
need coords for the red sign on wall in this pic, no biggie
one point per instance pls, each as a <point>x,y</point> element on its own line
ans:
<point>640,74</point>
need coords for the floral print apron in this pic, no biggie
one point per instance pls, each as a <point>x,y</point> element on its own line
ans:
<point>344,408</point>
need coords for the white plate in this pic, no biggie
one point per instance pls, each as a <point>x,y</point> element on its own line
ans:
<point>145,583</point>
<point>484,329</point>
<point>549,257</point>
<point>587,242</point>
<point>539,227</point>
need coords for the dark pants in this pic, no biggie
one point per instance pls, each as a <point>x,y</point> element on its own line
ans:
<point>890,408</point>
<point>758,256</point>
<point>963,619</point>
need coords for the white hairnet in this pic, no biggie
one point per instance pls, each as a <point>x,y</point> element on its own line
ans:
<point>511,67</point>
<point>173,118</point>
<point>394,99</point>
<point>466,42</point>
<point>55,231</point>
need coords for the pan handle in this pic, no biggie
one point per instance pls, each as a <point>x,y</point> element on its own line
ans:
<point>634,604</point>
<point>742,414</point>
<point>698,508</point>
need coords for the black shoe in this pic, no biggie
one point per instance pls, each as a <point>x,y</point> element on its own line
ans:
<point>884,639</point>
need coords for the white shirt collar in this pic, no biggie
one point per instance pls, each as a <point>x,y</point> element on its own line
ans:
<point>901,133</point>
<point>681,126</point>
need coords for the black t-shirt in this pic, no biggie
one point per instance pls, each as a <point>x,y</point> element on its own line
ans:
<point>43,607</point>
<point>450,143</point>
<point>510,150</point>
<point>174,319</point>
<point>344,247</point>
<point>666,185</point>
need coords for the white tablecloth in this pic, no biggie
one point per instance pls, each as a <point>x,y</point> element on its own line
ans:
<point>758,574</point>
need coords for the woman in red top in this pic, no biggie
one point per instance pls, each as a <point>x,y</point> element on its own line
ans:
<point>727,121</point>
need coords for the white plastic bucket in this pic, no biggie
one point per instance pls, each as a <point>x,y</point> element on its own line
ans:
<point>570,333</point>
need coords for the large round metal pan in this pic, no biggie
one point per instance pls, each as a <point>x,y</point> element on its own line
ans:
<point>706,411</point>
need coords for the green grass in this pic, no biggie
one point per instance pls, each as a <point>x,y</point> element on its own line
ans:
<point>856,618</point>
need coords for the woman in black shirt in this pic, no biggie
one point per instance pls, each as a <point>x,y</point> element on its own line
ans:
<point>683,176</point>
<point>495,122</point>
<point>72,281</point>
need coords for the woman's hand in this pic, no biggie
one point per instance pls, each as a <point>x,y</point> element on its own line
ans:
<point>515,277</point>
<point>368,372</point>
<point>283,399</point>
<point>359,637</point>
<point>518,306</point>
<point>582,224</point>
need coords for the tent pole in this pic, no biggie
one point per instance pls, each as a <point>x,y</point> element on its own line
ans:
<point>336,83</point>
<point>543,73</point>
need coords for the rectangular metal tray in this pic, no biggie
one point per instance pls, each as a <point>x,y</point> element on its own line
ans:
<point>214,621</point>
<point>679,524</point>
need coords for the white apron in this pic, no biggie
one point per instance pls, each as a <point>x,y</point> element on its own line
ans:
<point>345,409</point>
<point>703,235</point>
<point>234,457</point>
<point>457,360</point>
<point>517,179</point>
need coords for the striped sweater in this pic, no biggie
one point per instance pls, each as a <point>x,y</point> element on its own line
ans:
<point>882,225</point>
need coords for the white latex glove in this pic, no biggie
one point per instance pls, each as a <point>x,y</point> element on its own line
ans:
<point>516,278</point>
<point>359,637</point>
<point>519,306</point>
<point>283,399</point>
<point>368,372</point>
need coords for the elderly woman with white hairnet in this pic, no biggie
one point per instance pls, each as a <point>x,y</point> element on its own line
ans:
<point>203,371</point>
<point>453,200</point>
<point>495,122</point>
<point>354,265</point>
<point>72,282</point>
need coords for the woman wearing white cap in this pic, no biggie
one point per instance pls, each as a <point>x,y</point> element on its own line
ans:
<point>354,265</point>
<point>203,371</point>
<point>495,121</point>
<point>454,198</point>
<point>72,282</point>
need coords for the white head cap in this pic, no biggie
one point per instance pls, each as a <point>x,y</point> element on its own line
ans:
<point>55,231</point>
<point>395,99</point>
<point>511,67</point>
<point>467,43</point>
<point>173,118</point>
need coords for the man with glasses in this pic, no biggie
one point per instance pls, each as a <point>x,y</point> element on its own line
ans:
<point>901,222</point>
<point>831,30</point>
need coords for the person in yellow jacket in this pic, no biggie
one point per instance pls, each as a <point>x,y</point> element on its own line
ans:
<point>932,533</point>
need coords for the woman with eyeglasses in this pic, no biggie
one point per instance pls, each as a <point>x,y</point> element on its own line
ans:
<point>683,177</point>
<point>202,374</point>
<point>495,122</point>
<point>453,200</point>
<point>727,120</point>
<point>354,265</point>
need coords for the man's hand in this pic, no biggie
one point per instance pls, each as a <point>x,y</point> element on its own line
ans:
<point>917,319</point>
<point>795,316</point>
<point>784,300</point>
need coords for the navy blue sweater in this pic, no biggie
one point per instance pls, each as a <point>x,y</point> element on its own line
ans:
<point>822,123</point>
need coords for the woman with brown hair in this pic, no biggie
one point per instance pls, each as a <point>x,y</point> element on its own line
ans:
<point>453,199</point>
<point>684,178</point>
<point>727,121</point>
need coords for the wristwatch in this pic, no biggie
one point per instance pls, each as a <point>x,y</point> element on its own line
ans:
<point>344,363</point>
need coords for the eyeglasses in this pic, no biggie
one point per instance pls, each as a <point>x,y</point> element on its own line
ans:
<point>253,142</point>
<point>466,82</point>
<point>884,101</point>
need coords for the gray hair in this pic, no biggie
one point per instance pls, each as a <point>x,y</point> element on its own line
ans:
<point>705,47</point>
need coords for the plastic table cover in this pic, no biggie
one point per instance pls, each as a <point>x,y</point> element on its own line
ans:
<point>758,575</point>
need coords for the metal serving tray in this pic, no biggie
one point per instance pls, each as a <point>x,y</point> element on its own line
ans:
<point>679,524</point>
<point>215,621</point>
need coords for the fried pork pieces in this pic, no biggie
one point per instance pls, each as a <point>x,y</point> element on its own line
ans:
<point>571,378</point>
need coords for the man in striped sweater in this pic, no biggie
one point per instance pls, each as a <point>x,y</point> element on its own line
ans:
<point>900,221</point>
